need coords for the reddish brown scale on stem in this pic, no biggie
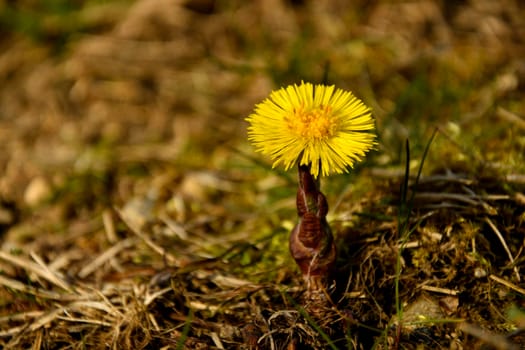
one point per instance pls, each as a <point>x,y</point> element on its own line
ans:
<point>310,227</point>
<point>311,241</point>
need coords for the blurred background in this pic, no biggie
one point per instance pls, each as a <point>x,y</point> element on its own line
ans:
<point>95,91</point>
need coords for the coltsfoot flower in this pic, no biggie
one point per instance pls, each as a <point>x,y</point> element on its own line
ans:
<point>321,126</point>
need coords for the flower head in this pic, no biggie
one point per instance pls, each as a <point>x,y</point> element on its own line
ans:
<point>321,126</point>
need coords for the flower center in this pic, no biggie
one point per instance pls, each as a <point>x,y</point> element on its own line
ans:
<point>315,123</point>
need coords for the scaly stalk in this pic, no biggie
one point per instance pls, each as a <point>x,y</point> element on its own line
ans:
<point>311,241</point>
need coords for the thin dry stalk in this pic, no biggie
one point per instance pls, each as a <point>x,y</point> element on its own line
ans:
<point>39,268</point>
<point>41,293</point>
<point>51,274</point>
<point>21,316</point>
<point>440,290</point>
<point>45,319</point>
<point>507,284</point>
<point>497,341</point>
<point>156,248</point>
<point>216,340</point>
<point>105,306</point>
<point>84,320</point>
<point>510,117</point>
<point>505,246</point>
<point>149,298</point>
<point>37,345</point>
<point>107,255</point>
<point>109,226</point>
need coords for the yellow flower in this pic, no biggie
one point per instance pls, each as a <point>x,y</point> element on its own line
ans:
<point>321,126</point>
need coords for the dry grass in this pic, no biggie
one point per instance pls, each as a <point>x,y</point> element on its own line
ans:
<point>134,214</point>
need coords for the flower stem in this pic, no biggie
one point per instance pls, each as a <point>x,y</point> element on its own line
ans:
<point>311,241</point>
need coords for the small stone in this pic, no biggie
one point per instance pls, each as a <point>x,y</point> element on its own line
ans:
<point>37,192</point>
<point>7,216</point>
<point>480,272</point>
